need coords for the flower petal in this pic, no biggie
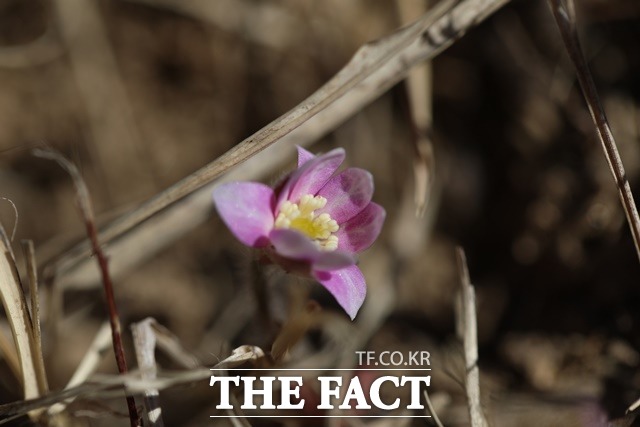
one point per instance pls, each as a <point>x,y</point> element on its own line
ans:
<point>361,231</point>
<point>304,156</point>
<point>311,176</point>
<point>334,260</point>
<point>294,245</point>
<point>347,286</point>
<point>347,194</point>
<point>247,209</point>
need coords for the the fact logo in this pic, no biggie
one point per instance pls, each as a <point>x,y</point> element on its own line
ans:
<point>364,389</point>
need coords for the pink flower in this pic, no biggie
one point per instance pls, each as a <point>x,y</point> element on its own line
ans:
<point>313,222</point>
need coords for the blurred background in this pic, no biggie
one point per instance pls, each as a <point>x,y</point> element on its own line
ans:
<point>141,93</point>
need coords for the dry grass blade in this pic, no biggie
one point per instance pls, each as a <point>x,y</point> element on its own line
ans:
<point>15,307</point>
<point>89,362</point>
<point>17,216</point>
<point>238,420</point>
<point>564,14</point>
<point>9,411</point>
<point>170,344</point>
<point>241,355</point>
<point>105,385</point>
<point>147,335</point>
<point>144,342</point>
<point>470,341</point>
<point>419,84</point>
<point>635,405</point>
<point>432,411</point>
<point>32,271</point>
<point>374,69</point>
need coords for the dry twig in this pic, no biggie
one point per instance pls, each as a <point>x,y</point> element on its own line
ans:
<point>467,321</point>
<point>86,210</point>
<point>564,14</point>
<point>144,341</point>
<point>374,69</point>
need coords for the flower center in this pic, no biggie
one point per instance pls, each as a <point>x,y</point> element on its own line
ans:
<point>301,216</point>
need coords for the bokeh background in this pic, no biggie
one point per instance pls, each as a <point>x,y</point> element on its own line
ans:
<point>141,93</point>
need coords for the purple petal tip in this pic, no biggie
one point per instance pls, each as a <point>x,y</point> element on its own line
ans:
<point>347,286</point>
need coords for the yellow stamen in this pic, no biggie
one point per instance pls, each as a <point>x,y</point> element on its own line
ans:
<point>301,216</point>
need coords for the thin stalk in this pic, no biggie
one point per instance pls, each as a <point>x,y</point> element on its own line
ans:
<point>144,342</point>
<point>86,210</point>
<point>34,298</point>
<point>432,411</point>
<point>469,329</point>
<point>564,14</point>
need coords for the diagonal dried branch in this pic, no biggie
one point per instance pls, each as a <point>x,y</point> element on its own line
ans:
<point>564,14</point>
<point>374,69</point>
